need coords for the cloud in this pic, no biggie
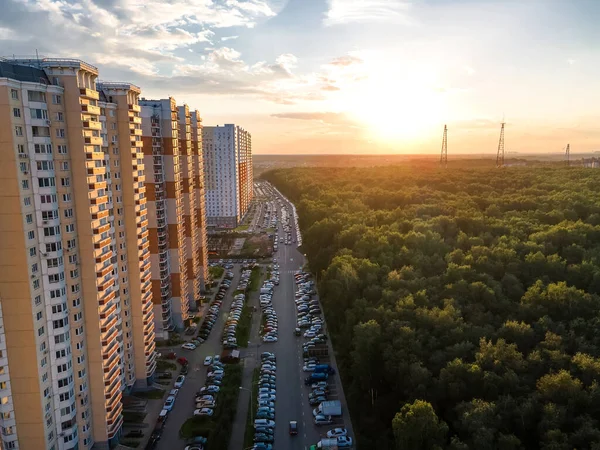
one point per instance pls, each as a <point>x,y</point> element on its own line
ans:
<point>346,60</point>
<point>150,32</point>
<point>331,118</point>
<point>228,38</point>
<point>349,11</point>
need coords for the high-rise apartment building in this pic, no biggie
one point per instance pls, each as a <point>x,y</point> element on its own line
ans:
<point>198,158</point>
<point>75,295</point>
<point>165,194</point>
<point>227,174</point>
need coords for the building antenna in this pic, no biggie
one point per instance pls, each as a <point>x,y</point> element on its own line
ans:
<point>500,154</point>
<point>444,155</point>
<point>568,154</point>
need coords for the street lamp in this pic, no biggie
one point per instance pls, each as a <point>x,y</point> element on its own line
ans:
<point>251,404</point>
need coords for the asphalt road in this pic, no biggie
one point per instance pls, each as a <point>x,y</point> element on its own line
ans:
<point>292,395</point>
<point>184,405</point>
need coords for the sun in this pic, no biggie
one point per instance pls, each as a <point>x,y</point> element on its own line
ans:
<point>393,106</point>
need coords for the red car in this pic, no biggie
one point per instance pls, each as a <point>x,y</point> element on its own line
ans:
<point>183,361</point>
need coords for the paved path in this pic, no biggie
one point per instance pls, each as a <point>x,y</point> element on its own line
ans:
<point>184,406</point>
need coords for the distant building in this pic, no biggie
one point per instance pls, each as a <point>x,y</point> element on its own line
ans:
<point>227,174</point>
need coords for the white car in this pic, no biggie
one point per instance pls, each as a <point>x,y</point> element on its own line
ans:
<point>169,403</point>
<point>308,368</point>
<point>208,361</point>
<point>269,339</point>
<point>174,392</point>
<point>179,381</point>
<point>335,432</point>
<point>188,346</point>
<point>204,412</point>
<point>215,373</point>
<point>344,441</point>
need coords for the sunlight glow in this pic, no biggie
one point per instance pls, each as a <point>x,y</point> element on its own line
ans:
<point>396,103</point>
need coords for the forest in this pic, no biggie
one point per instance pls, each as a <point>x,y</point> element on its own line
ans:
<point>463,304</point>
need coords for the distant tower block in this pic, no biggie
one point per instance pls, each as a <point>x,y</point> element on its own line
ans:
<point>444,155</point>
<point>500,154</point>
<point>568,154</point>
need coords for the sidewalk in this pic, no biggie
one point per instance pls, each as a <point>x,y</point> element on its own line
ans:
<point>250,358</point>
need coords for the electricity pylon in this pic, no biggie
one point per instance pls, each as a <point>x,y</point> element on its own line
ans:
<point>500,154</point>
<point>444,155</point>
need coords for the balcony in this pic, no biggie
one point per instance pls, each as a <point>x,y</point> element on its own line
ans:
<point>89,93</point>
<point>90,109</point>
<point>134,108</point>
<point>93,140</point>
<point>92,125</point>
<point>135,119</point>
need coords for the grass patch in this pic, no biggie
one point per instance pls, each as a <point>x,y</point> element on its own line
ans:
<point>218,428</point>
<point>133,417</point>
<point>249,433</point>
<point>130,443</point>
<point>155,394</point>
<point>241,228</point>
<point>254,280</point>
<point>242,331</point>
<point>163,366</point>
<point>216,272</point>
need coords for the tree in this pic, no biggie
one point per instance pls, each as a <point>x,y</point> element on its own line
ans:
<point>417,427</point>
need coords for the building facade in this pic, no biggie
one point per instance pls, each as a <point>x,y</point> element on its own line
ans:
<point>168,249</point>
<point>75,297</point>
<point>200,206</point>
<point>227,174</point>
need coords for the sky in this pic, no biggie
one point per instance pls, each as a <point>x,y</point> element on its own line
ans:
<point>344,76</point>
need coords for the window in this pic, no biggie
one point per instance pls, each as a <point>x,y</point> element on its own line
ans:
<point>14,94</point>
<point>39,113</point>
<point>29,218</point>
<point>38,301</point>
<point>21,149</point>
<point>27,201</point>
<point>25,185</point>
<point>46,182</point>
<point>36,96</point>
<point>16,112</point>
<point>42,148</point>
<point>73,259</point>
<point>56,99</point>
<point>39,315</point>
<point>77,317</point>
<point>69,212</point>
<point>31,234</point>
<point>32,251</point>
<point>71,243</point>
<point>45,165</point>
<point>76,303</point>
<point>66,182</point>
<point>64,165</point>
<point>36,284</point>
<point>62,149</point>
<point>19,131</point>
<point>40,331</point>
<point>60,132</point>
<point>74,273</point>
<point>59,116</point>
<point>70,228</point>
<point>34,268</point>
<point>66,197</point>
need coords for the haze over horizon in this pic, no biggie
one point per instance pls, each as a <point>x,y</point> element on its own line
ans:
<point>344,76</point>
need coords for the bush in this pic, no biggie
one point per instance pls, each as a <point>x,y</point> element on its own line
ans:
<point>163,365</point>
<point>216,272</point>
<point>242,331</point>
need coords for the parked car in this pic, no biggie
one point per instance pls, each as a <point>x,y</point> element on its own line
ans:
<point>179,381</point>
<point>188,346</point>
<point>204,412</point>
